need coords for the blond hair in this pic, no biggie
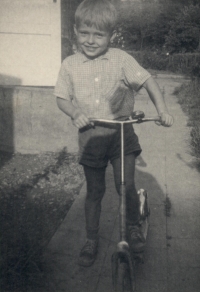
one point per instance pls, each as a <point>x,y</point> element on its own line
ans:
<point>98,13</point>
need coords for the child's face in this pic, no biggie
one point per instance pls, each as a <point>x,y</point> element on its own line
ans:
<point>92,41</point>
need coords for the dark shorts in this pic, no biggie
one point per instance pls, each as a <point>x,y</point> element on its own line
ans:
<point>101,144</point>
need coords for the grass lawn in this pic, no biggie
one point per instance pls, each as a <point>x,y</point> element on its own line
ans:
<point>36,192</point>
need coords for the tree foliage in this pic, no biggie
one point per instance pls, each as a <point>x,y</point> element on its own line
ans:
<point>160,26</point>
<point>184,33</point>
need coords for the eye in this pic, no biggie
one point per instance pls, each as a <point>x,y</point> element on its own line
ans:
<point>99,35</point>
<point>83,33</point>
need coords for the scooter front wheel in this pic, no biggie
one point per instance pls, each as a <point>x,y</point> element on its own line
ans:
<point>122,275</point>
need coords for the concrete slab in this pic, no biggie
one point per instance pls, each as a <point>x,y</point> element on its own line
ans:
<point>183,265</point>
<point>166,169</point>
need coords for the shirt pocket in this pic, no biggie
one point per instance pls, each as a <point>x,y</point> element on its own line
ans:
<point>108,84</point>
<point>109,78</point>
<point>83,88</point>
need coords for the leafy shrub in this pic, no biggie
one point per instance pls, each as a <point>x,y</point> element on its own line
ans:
<point>151,60</point>
<point>184,63</point>
<point>137,33</point>
<point>195,140</point>
<point>195,71</point>
<point>189,99</point>
<point>179,63</point>
<point>184,30</point>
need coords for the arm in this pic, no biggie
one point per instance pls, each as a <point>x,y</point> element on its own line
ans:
<point>79,119</point>
<point>156,96</point>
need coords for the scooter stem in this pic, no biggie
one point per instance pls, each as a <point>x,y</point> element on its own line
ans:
<point>122,191</point>
<point>122,153</point>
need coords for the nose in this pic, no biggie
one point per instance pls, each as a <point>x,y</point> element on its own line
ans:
<point>90,39</point>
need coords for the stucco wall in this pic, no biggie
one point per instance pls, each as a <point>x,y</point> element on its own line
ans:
<point>30,121</point>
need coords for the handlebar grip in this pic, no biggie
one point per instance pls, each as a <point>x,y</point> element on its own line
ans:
<point>158,121</point>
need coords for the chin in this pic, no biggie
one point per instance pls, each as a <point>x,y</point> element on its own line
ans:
<point>91,55</point>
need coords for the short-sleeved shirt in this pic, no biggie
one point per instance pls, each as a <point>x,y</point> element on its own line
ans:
<point>103,87</point>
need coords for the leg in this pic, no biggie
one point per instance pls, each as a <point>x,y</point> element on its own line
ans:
<point>95,178</point>
<point>132,199</point>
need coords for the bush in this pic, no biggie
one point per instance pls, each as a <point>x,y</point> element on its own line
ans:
<point>195,71</point>
<point>189,99</point>
<point>151,60</point>
<point>177,63</point>
<point>184,63</point>
<point>195,140</point>
<point>183,35</point>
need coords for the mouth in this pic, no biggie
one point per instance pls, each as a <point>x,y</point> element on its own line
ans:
<point>90,48</point>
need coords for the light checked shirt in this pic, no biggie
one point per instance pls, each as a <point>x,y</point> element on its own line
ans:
<point>103,87</point>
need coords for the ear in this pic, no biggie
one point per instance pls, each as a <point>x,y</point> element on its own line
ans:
<point>75,30</point>
<point>113,36</point>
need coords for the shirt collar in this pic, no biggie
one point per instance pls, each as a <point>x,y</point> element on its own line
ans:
<point>84,58</point>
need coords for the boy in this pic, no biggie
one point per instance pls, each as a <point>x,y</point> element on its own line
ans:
<point>98,82</point>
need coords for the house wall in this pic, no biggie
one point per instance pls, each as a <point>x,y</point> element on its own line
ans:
<point>30,121</point>
<point>30,38</point>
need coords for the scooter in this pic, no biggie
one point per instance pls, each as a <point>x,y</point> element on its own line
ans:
<point>124,261</point>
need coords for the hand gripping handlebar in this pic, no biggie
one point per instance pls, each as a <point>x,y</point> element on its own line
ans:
<point>136,118</point>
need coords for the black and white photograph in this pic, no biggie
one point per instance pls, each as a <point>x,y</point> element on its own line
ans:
<point>100,145</point>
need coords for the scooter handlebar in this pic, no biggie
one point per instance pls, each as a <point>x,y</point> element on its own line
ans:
<point>135,120</point>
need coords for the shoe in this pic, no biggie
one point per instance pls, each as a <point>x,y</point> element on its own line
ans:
<point>88,253</point>
<point>136,238</point>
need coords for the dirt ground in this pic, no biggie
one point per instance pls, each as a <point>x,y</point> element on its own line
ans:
<point>36,192</point>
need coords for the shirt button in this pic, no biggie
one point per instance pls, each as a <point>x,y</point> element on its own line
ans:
<point>96,79</point>
<point>97,101</point>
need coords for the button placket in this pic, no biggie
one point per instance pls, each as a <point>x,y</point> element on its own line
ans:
<point>96,79</point>
<point>97,84</point>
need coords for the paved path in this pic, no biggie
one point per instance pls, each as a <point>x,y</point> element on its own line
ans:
<point>166,169</point>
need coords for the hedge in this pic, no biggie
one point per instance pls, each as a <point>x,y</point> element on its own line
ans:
<point>179,63</point>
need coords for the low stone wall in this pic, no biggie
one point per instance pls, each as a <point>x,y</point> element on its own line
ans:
<point>30,121</point>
